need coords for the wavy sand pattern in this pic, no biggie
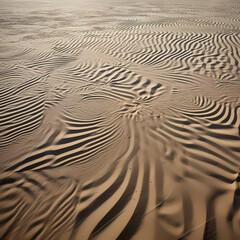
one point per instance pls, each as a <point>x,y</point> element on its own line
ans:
<point>120,121</point>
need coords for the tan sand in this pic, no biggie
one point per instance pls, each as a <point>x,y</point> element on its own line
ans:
<point>119,120</point>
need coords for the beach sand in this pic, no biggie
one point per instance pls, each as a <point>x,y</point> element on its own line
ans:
<point>119,120</point>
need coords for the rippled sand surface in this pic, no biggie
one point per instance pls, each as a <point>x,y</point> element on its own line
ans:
<point>119,120</point>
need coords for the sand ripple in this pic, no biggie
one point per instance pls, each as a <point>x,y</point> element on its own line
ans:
<point>120,122</point>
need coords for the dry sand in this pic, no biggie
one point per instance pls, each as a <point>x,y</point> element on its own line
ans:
<point>119,120</point>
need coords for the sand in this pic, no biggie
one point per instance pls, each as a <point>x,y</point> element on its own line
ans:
<point>119,120</point>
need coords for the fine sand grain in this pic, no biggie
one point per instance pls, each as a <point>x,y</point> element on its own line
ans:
<point>119,120</point>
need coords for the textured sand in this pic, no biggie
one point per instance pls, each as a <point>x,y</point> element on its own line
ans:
<point>119,120</point>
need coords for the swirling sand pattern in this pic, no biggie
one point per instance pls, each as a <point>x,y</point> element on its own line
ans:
<point>120,122</point>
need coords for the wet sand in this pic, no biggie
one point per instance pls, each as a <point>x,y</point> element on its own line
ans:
<point>119,120</point>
